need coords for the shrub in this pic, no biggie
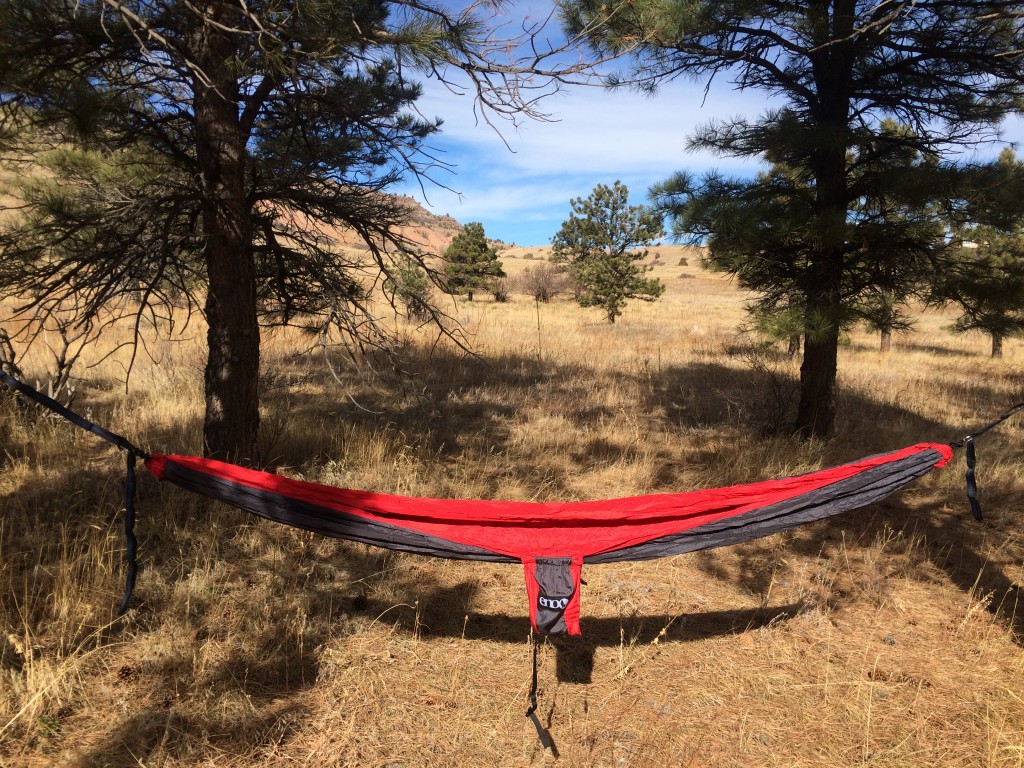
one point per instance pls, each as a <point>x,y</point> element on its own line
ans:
<point>544,282</point>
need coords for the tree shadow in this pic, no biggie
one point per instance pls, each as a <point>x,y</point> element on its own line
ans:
<point>163,730</point>
<point>958,552</point>
<point>956,546</point>
<point>265,654</point>
<point>938,350</point>
<point>462,401</point>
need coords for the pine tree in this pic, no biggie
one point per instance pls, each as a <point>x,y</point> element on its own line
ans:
<point>600,245</point>
<point>470,263</point>
<point>836,70</point>
<point>246,133</point>
<point>758,230</point>
<point>987,285</point>
<point>410,283</point>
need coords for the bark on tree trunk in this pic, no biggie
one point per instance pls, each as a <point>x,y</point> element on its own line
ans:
<point>794,345</point>
<point>832,67</point>
<point>997,345</point>
<point>231,422</point>
<point>886,344</point>
<point>816,412</point>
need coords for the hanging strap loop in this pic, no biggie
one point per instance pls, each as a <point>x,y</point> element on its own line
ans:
<point>124,444</point>
<point>972,458</point>
<point>132,544</point>
<point>972,483</point>
<point>542,733</point>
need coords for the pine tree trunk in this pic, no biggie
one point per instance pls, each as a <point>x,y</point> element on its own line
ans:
<point>816,412</point>
<point>886,345</point>
<point>823,290</point>
<point>997,345</point>
<point>794,345</point>
<point>231,421</point>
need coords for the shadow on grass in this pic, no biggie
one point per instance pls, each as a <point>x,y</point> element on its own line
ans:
<point>598,630</point>
<point>460,401</point>
<point>940,351</point>
<point>958,545</point>
<point>172,734</point>
<point>574,655</point>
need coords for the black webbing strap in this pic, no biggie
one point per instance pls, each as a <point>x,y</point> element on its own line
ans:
<point>542,733</point>
<point>987,427</point>
<point>972,458</point>
<point>133,452</point>
<point>71,416</point>
<point>972,483</point>
<point>132,544</point>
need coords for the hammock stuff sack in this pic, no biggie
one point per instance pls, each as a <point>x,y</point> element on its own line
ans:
<point>554,539</point>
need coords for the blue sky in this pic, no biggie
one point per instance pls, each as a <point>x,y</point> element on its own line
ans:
<point>521,192</point>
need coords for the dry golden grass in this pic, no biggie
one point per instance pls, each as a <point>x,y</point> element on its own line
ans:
<point>887,637</point>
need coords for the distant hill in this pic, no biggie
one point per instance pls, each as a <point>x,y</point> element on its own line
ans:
<point>426,231</point>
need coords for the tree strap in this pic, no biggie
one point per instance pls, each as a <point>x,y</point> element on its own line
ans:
<point>74,418</point>
<point>981,431</point>
<point>133,452</point>
<point>972,458</point>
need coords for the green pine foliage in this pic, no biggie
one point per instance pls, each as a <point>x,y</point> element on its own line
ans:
<point>471,264</point>
<point>836,72</point>
<point>600,244</point>
<point>984,276</point>
<point>986,282</point>
<point>409,284</point>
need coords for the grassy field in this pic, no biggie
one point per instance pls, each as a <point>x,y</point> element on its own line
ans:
<point>890,636</point>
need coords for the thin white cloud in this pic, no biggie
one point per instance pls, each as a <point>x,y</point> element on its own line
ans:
<point>521,191</point>
<point>519,183</point>
<point>592,129</point>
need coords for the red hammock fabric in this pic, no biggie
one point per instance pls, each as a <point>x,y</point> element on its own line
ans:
<point>554,539</point>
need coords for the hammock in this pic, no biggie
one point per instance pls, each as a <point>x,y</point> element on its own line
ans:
<point>553,539</point>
